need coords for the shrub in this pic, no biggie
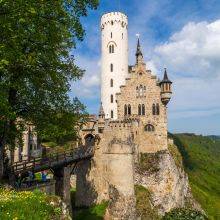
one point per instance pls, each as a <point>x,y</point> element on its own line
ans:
<point>184,214</point>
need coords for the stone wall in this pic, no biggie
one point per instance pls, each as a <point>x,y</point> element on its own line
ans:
<point>147,141</point>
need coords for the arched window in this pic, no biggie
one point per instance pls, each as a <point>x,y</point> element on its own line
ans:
<point>139,109</point>
<point>143,109</point>
<point>149,128</point>
<point>111,67</point>
<point>112,99</point>
<point>129,109</point>
<point>157,109</point>
<point>154,109</point>
<point>111,82</point>
<point>112,114</point>
<point>125,110</point>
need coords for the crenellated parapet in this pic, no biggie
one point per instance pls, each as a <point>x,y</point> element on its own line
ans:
<point>114,18</point>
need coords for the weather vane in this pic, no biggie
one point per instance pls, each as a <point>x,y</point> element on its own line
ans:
<point>138,36</point>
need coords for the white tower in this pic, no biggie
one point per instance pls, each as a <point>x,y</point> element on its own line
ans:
<point>114,65</point>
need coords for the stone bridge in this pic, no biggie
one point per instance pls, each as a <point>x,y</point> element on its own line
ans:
<point>62,165</point>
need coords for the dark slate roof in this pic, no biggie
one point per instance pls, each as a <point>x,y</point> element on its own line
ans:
<point>138,52</point>
<point>165,77</point>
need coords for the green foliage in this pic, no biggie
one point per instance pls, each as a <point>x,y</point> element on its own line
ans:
<point>143,204</point>
<point>176,155</point>
<point>28,205</point>
<point>95,212</point>
<point>36,67</point>
<point>201,161</point>
<point>184,214</point>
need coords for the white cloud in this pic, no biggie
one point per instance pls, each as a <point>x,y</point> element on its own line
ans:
<point>194,51</point>
<point>192,57</point>
<point>87,87</point>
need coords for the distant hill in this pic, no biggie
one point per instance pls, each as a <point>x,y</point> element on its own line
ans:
<point>201,159</point>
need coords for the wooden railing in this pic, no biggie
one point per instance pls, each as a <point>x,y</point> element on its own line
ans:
<point>53,160</point>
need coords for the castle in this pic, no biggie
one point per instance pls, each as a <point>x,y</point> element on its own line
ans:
<point>132,120</point>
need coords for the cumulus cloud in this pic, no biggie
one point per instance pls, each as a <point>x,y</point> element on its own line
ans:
<point>193,51</point>
<point>192,57</point>
<point>88,86</point>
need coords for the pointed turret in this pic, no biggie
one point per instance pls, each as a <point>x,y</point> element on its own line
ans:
<point>101,112</point>
<point>139,55</point>
<point>166,90</point>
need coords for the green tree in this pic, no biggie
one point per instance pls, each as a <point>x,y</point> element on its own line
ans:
<point>36,67</point>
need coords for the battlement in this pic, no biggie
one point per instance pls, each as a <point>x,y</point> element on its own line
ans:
<point>112,18</point>
<point>125,123</point>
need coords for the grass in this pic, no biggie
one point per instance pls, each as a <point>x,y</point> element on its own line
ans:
<point>28,205</point>
<point>201,160</point>
<point>143,204</point>
<point>95,212</point>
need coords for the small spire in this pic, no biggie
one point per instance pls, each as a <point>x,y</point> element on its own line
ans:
<point>138,52</point>
<point>165,77</point>
<point>101,111</point>
<point>139,55</point>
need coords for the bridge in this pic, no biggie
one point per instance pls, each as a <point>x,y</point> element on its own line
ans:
<point>61,164</point>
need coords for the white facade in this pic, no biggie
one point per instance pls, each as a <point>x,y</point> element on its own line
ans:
<point>114,64</point>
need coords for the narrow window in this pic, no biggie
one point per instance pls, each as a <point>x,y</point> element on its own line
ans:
<point>111,67</point>
<point>125,110</point>
<point>143,109</point>
<point>112,22</point>
<point>139,109</point>
<point>112,114</point>
<point>113,48</point>
<point>110,49</point>
<point>111,82</point>
<point>157,109</point>
<point>129,109</point>
<point>154,109</point>
<point>137,91</point>
<point>112,99</point>
<point>166,87</point>
<point>122,35</point>
<point>111,34</point>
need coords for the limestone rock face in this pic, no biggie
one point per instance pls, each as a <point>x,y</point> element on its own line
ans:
<point>167,182</point>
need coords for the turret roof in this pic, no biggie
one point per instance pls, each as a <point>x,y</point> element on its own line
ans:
<point>165,77</point>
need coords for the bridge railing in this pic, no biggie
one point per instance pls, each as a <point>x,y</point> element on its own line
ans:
<point>52,160</point>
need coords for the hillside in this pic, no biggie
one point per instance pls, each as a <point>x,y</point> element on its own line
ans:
<point>201,159</point>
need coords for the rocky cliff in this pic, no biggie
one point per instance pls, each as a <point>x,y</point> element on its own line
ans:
<point>163,177</point>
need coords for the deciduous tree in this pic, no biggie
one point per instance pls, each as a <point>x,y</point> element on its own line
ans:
<point>36,67</point>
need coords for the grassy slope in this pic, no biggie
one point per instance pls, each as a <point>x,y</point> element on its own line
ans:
<point>28,205</point>
<point>201,158</point>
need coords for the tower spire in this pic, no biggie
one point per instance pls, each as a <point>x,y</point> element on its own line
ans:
<point>139,55</point>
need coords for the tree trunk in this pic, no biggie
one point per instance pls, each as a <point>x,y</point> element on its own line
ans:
<point>1,161</point>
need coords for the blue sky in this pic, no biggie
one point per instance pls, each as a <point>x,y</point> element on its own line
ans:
<point>182,35</point>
